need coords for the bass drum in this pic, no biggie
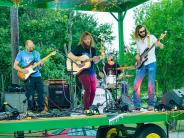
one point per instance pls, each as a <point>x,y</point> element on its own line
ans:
<point>100,98</point>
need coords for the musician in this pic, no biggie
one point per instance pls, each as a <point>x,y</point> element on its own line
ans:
<point>34,82</point>
<point>111,67</point>
<point>145,40</point>
<point>87,77</point>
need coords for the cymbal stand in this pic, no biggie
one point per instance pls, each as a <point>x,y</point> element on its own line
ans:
<point>107,98</point>
<point>125,84</point>
<point>116,90</point>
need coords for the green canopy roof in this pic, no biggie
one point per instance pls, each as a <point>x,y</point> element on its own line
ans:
<point>85,5</point>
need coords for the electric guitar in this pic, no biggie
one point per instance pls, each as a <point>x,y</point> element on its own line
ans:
<point>31,66</point>
<point>77,66</point>
<point>144,55</point>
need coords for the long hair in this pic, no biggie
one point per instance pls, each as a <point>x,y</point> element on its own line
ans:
<point>137,31</point>
<point>84,34</point>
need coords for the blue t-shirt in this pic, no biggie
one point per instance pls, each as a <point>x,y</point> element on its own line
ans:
<point>25,58</point>
<point>81,50</point>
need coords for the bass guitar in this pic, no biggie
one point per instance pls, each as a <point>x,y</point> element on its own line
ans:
<point>31,66</point>
<point>144,55</point>
<point>77,66</point>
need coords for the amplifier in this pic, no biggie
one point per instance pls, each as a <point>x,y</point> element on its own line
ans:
<point>16,99</point>
<point>58,95</point>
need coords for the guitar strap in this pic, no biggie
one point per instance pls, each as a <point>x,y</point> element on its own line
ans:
<point>90,53</point>
<point>148,40</point>
<point>34,56</point>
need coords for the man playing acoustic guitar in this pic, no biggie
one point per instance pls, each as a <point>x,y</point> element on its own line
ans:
<point>148,66</point>
<point>34,82</point>
<point>86,53</point>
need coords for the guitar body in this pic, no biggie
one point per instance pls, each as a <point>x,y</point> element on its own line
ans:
<point>30,67</point>
<point>143,59</point>
<point>25,76</point>
<point>78,66</point>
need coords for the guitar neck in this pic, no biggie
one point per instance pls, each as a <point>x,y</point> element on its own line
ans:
<point>149,49</point>
<point>44,59</point>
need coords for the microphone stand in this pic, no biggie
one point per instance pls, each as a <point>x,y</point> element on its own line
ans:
<point>72,82</point>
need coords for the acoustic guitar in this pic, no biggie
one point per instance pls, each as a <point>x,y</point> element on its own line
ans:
<point>77,66</point>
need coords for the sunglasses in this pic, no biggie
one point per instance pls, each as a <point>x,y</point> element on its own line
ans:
<point>142,31</point>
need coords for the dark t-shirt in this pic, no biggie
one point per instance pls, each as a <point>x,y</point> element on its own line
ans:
<point>111,69</point>
<point>91,52</point>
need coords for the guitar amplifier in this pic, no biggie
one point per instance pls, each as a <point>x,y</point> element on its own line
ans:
<point>58,95</point>
<point>16,100</point>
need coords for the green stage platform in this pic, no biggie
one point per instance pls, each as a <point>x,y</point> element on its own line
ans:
<point>7,126</point>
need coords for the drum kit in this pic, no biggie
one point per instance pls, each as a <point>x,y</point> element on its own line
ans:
<point>104,98</point>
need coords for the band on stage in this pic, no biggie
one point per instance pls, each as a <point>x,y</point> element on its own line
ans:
<point>112,82</point>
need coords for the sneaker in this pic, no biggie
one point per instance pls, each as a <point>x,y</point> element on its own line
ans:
<point>136,108</point>
<point>88,112</point>
<point>150,108</point>
<point>43,112</point>
<point>30,113</point>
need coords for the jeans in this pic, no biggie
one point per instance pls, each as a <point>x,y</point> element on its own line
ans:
<point>88,82</point>
<point>33,84</point>
<point>150,70</point>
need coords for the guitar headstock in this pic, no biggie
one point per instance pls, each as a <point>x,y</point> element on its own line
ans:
<point>162,35</point>
<point>53,53</point>
<point>102,51</point>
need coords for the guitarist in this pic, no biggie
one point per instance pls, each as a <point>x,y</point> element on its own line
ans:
<point>87,77</point>
<point>145,40</point>
<point>34,82</point>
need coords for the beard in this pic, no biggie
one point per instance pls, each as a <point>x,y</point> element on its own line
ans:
<point>87,45</point>
<point>143,36</point>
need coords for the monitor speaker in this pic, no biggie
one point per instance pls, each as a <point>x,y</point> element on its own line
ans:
<point>58,96</point>
<point>174,99</point>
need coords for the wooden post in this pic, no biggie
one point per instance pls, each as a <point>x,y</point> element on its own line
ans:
<point>14,39</point>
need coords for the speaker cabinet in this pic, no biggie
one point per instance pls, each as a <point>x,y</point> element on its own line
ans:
<point>174,98</point>
<point>15,99</point>
<point>58,95</point>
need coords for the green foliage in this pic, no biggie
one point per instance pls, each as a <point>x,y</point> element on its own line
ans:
<point>48,30</point>
<point>5,49</point>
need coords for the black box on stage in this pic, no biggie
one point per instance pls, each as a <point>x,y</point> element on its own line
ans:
<point>58,95</point>
<point>174,98</point>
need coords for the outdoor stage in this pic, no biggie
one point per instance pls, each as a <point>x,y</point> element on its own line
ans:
<point>7,126</point>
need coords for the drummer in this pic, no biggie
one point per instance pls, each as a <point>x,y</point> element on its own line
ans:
<point>110,69</point>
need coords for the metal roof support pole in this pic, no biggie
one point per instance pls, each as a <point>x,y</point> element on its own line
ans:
<point>121,16</point>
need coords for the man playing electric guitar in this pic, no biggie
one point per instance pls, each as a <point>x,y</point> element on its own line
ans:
<point>144,41</point>
<point>87,76</point>
<point>34,82</point>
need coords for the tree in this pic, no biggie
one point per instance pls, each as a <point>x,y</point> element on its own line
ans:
<point>49,31</point>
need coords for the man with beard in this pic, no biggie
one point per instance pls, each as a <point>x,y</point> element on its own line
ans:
<point>34,82</point>
<point>87,76</point>
<point>145,40</point>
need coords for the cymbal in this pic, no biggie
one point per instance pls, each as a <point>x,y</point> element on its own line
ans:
<point>128,76</point>
<point>126,68</point>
